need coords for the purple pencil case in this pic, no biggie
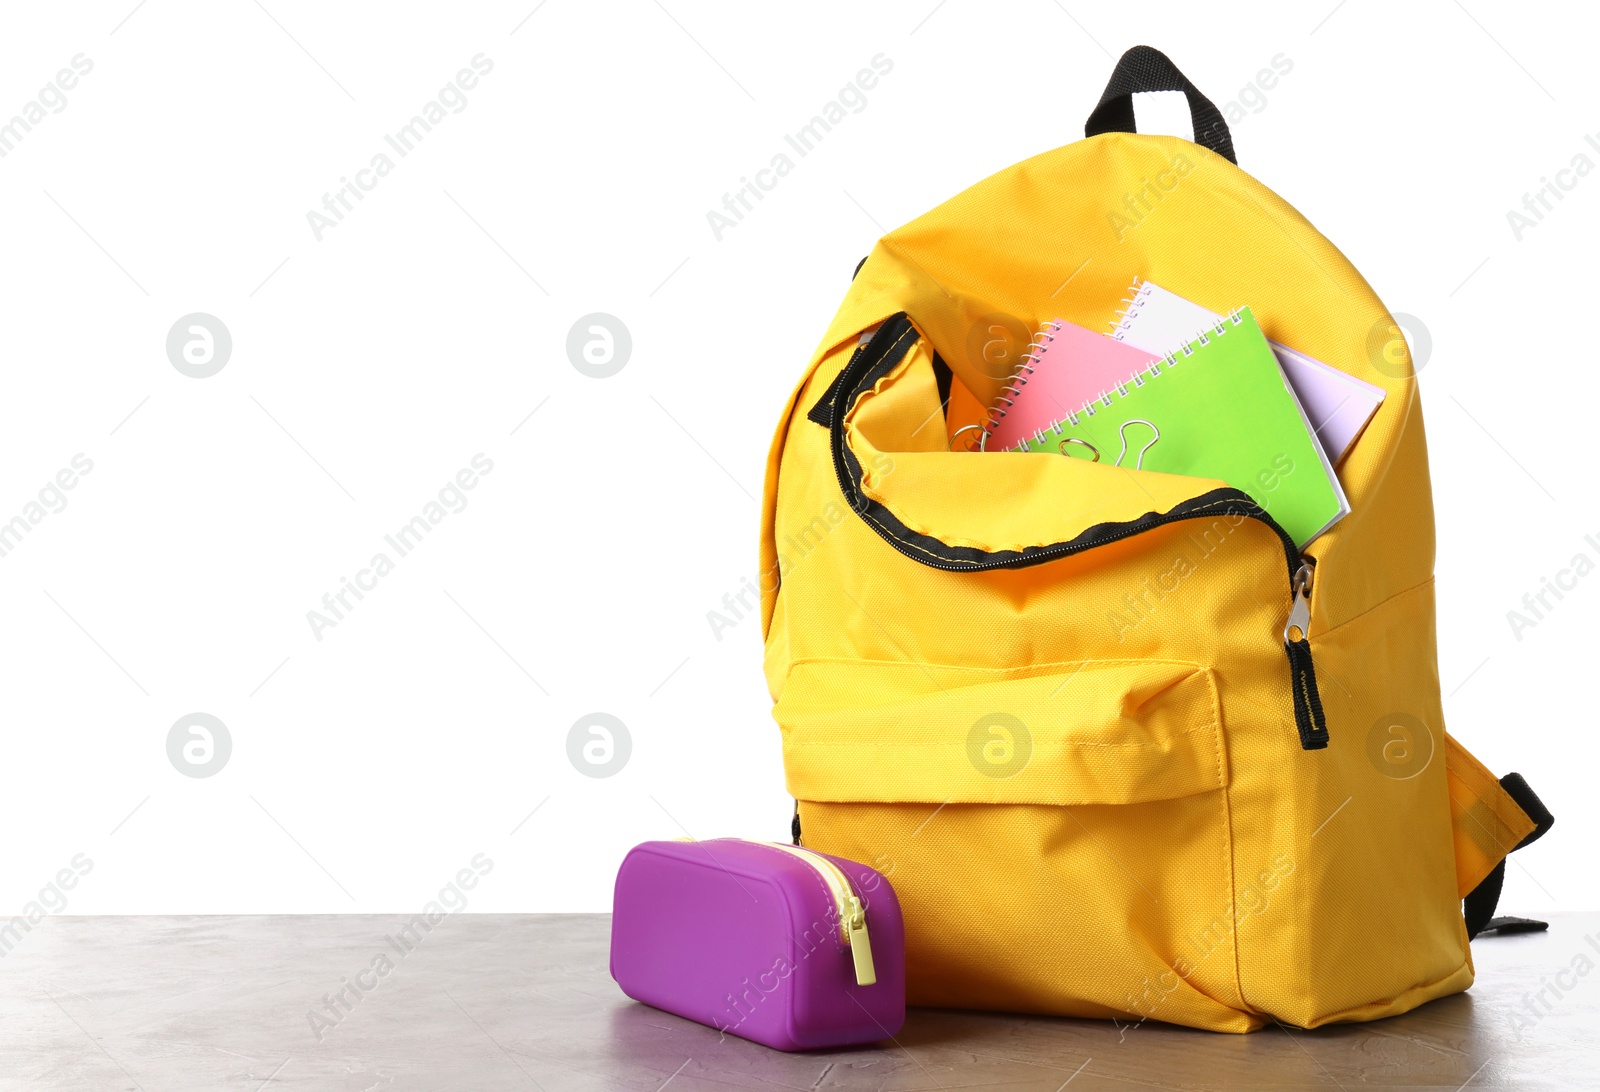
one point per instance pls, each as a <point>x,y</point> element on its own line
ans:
<point>777,944</point>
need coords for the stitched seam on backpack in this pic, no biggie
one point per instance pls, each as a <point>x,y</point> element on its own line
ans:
<point>1381,604</point>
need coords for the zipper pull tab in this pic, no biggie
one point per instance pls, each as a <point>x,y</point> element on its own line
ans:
<point>1308,716</point>
<point>860,943</point>
<point>1299,625</point>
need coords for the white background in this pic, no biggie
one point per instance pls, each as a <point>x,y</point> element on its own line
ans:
<point>370,366</point>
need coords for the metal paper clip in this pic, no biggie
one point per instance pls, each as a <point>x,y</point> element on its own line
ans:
<point>1138,463</point>
<point>955,439</point>
<point>1062,447</point>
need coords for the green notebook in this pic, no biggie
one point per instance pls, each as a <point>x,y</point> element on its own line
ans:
<point>1217,408</point>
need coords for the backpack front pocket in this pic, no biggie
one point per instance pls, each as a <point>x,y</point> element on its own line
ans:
<point>1069,818</point>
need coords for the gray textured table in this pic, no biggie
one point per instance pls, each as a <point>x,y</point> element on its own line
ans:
<point>489,1002</point>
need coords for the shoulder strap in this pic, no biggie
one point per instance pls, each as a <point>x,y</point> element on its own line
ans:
<point>1492,818</point>
<point>1480,903</point>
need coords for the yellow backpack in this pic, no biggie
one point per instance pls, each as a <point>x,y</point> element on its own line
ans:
<point>1122,749</point>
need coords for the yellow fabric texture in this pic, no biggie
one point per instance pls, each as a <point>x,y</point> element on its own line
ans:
<point>1154,843</point>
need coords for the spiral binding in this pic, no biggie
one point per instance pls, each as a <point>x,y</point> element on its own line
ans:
<point>1154,369</point>
<point>1019,379</point>
<point>1138,291</point>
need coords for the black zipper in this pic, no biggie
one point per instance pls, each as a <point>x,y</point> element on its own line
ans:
<point>886,349</point>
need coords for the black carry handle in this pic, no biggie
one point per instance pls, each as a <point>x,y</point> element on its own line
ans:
<point>1145,69</point>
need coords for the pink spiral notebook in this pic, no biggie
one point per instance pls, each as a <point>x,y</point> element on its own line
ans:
<point>1065,366</point>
